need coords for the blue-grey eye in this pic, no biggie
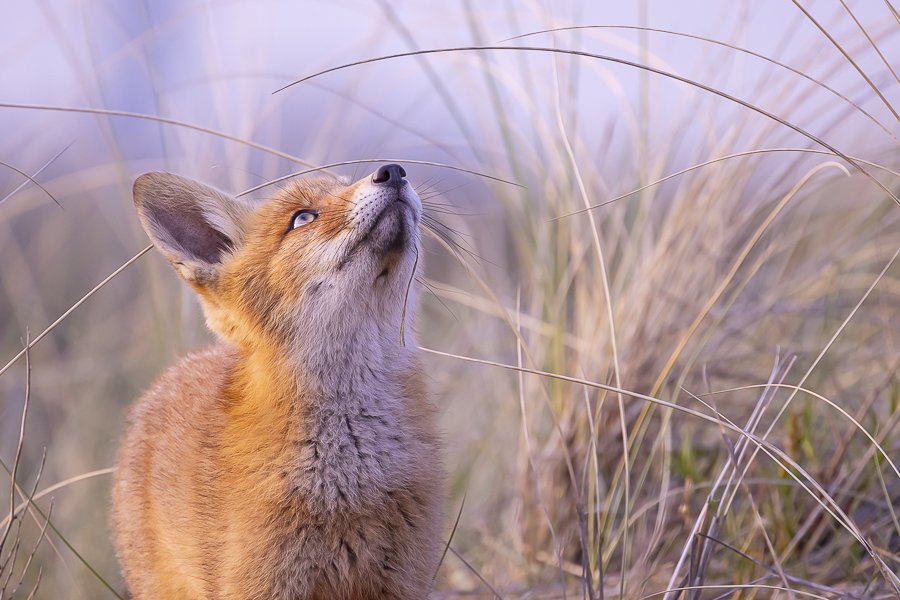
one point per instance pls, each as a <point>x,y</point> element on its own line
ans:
<point>303,217</point>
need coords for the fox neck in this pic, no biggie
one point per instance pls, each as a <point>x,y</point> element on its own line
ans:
<point>354,341</point>
<point>344,392</point>
<point>339,355</point>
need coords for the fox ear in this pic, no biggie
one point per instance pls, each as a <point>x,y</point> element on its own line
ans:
<point>195,226</point>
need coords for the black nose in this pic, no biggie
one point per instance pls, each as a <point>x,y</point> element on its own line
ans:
<point>389,175</point>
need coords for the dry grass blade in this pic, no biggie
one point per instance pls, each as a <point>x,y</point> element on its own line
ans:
<point>469,566</point>
<point>734,47</point>
<point>848,57</point>
<point>31,179</point>
<point>893,10</point>
<point>772,570</point>
<point>871,41</point>
<point>437,83</point>
<point>36,584</point>
<point>796,388</point>
<point>31,554</point>
<point>409,282</point>
<point>621,61</point>
<point>462,504</point>
<point>57,486</point>
<point>375,160</point>
<point>157,119</point>
<point>72,309</point>
<point>735,587</point>
<point>18,525</point>
<point>19,444</point>
<point>39,517</point>
<point>36,173</point>
<point>717,160</point>
<point>8,564</point>
<point>593,384</point>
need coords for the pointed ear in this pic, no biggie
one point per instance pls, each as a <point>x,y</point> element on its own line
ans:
<point>195,226</point>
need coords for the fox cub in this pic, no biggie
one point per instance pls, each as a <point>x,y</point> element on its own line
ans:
<point>297,458</point>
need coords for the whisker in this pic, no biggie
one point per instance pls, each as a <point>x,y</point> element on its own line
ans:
<point>448,210</point>
<point>448,228</point>
<point>431,290</point>
<point>448,239</point>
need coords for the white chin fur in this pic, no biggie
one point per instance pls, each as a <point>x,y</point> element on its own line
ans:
<point>372,231</point>
<point>371,199</point>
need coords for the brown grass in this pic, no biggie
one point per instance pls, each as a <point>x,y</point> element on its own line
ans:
<point>667,358</point>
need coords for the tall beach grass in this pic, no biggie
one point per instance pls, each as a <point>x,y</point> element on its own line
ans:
<point>659,303</point>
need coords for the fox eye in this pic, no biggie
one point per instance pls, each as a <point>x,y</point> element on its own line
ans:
<point>303,217</point>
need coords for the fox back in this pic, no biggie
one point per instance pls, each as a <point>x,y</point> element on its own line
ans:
<point>297,458</point>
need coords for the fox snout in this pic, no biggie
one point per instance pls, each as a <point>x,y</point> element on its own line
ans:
<point>385,211</point>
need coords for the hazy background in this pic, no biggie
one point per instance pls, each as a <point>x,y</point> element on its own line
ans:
<point>532,518</point>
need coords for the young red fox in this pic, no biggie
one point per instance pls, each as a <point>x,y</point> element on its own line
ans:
<point>298,458</point>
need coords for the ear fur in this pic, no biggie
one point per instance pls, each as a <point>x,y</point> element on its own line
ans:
<point>196,227</point>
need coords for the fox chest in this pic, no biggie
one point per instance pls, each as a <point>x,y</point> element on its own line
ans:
<point>348,554</point>
<point>349,460</point>
<point>349,513</point>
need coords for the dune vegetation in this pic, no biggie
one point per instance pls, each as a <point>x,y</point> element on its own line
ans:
<point>659,304</point>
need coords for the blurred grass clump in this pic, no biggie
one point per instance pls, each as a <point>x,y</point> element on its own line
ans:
<point>666,360</point>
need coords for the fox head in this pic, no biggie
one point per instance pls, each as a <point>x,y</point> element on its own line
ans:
<point>323,257</point>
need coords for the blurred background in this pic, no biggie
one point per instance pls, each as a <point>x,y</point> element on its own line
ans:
<point>739,265</point>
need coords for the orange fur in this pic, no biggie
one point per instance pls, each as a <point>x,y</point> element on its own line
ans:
<point>298,458</point>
